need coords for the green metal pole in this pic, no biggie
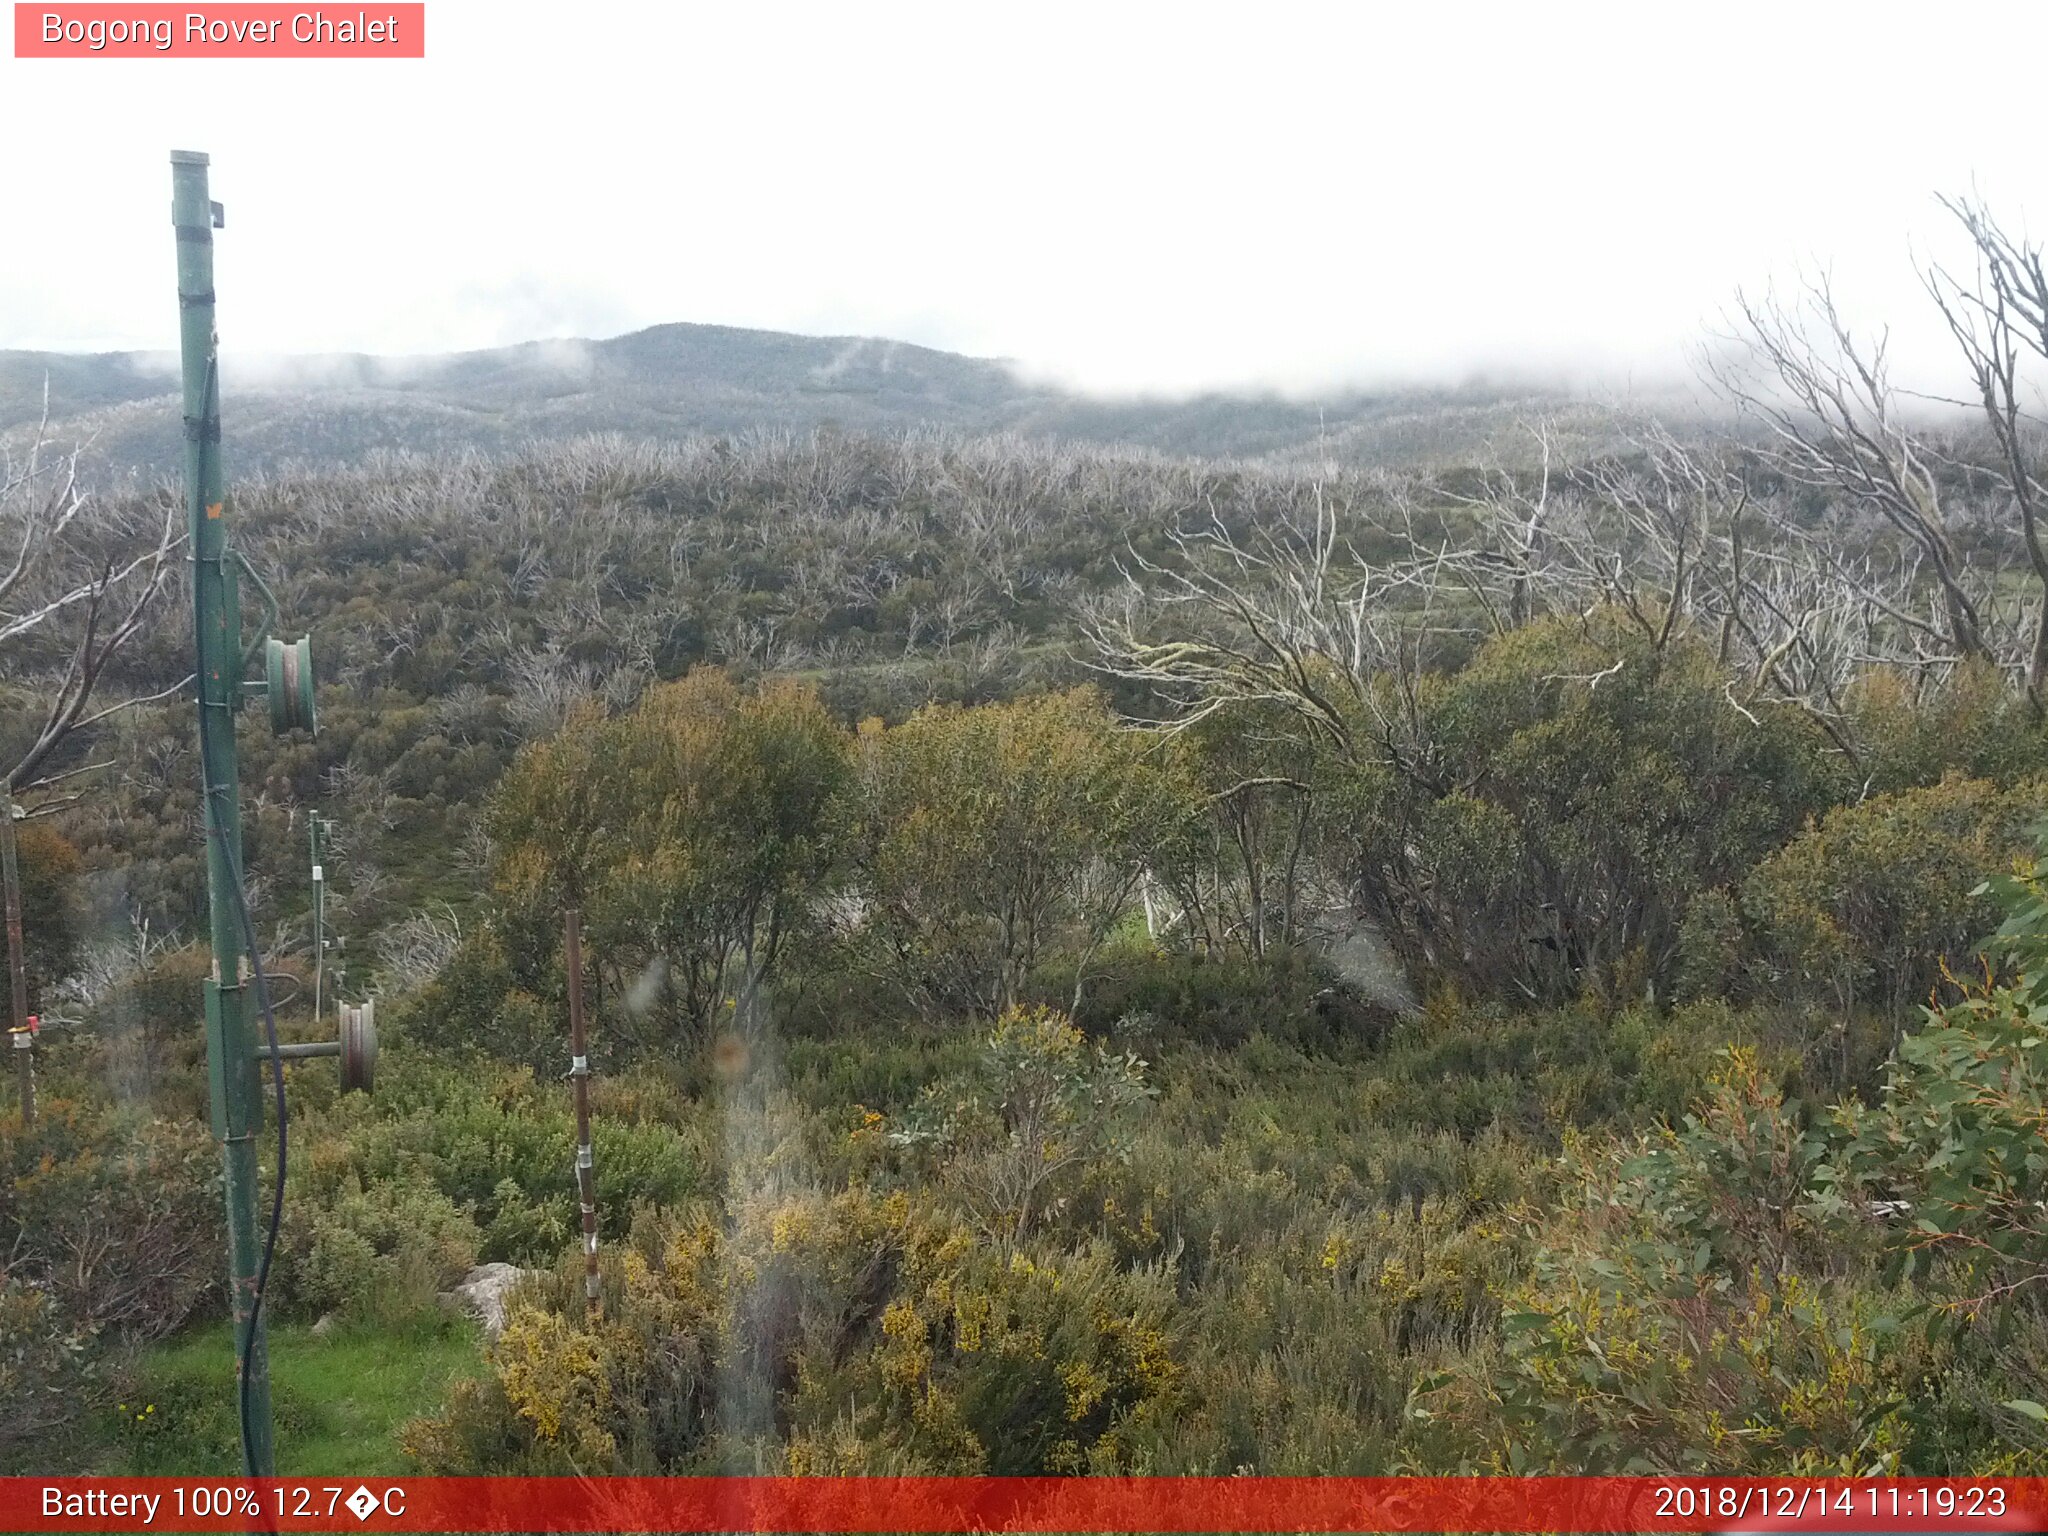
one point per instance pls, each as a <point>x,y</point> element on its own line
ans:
<point>217,629</point>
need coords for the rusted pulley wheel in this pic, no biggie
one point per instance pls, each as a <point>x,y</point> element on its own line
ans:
<point>358,1047</point>
<point>288,675</point>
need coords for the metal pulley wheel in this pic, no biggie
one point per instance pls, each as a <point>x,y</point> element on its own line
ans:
<point>358,1047</point>
<point>288,674</point>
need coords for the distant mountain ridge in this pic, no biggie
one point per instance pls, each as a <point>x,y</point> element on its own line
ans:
<point>683,379</point>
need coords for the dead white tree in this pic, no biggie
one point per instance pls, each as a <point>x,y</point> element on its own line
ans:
<point>1516,535</point>
<point>79,579</point>
<point>1685,548</point>
<point>1287,615</point>
<point>547,686</point>
<point>1833,420</point>
<point>1998,318</point>
<point>414,950</point>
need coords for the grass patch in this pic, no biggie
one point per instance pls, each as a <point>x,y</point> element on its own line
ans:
<point>337,1401</point>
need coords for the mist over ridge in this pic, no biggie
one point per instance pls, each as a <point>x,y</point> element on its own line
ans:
<point>677,380</point>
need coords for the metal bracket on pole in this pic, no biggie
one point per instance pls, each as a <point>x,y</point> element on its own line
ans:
<point>356,1047</point>
<point>269,607</point>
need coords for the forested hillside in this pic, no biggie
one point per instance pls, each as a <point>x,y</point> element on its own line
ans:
<point>1099,960</point>
<point>675,380</point>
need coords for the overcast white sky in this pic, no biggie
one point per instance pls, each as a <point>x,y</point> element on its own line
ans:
<point>1119,195</point>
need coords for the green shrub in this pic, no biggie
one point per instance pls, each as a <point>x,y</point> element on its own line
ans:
<point>1955,1140</point>
<point>1872,903</point>
<point>1710,947</point>
<point>115,1214</point>
<point>144,1039</point>
<point>988,839</point>
<point>697,829</point>
<point>524,1226</point>
<point>1563,800</point>
<point>1041,1106</point>
<point>1670,1318</point>
<point>47,870</point>
<point>479,1000</point>
<point>1310,1326</point>
<point>1916,732</point>
<point>1224,999</point>
<point>378,1253</point>
<point>480,1135</point>
<point>1957,1137</point>
<point>1708,1299</point>
<point>1228,840</point>
<point>109,1238</point>
<point>1462,1068</point>
<point>47,1378</point>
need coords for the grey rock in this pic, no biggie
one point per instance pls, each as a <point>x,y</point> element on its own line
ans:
<point>483,1291</point>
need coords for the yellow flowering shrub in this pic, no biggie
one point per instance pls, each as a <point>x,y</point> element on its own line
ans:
<point>850,1332</point>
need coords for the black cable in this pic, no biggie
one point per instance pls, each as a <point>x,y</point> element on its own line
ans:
<point>248,1346</point>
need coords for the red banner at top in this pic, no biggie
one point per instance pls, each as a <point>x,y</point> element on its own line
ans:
<point>227,31</point>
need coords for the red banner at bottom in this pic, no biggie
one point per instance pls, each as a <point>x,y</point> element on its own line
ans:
<point>1023,1504</point>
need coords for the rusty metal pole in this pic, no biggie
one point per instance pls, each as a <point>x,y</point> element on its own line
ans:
<point>314,823</point>
<point>579,1077</point>
<point>17,964</point>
